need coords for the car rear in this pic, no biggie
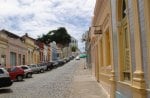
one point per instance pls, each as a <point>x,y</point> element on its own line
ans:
<point>34,68</point>
<point>16,73</point>
<point>28,71</point>
<point>5,80</point>
<point>49,65</point>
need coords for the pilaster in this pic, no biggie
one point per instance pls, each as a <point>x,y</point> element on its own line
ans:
<point>138,76</point>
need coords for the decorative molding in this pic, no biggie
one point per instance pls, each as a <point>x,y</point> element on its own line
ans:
<point>118,24</point>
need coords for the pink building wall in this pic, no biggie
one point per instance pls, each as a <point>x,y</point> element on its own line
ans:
<point>18,47</point>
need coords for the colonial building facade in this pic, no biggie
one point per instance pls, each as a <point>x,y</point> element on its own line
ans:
<point>53,51</point>
<point>3,48</point>
<point>30,44</point>
<point>101,44</point>
<point>119,47</point>
<point>12,49</point>
<point>16,50</point>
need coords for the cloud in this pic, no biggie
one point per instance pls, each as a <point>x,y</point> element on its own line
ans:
<point>39,16</point>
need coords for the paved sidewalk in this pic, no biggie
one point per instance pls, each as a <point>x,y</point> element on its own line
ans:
<point>84,85</point>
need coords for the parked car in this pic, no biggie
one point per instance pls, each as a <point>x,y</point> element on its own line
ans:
<point>71,57</point>
<point>55,64</point>
<point>77,58</point>
<point>61,62</point>
<point>5,80</point>
<point>16,73</point>
<point>42,67</point>
<point>49,65</point>
<point>35,68</point>
<point>27,70</point>
<point>66,60</point>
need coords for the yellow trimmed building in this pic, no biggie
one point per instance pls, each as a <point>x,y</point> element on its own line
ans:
<point>33,56</point>
<point>120,47</point>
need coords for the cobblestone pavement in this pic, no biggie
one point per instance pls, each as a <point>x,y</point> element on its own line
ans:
<point>52,84</point>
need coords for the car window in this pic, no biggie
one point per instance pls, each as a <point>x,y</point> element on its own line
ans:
<point>13,69</point>
<point>39,65</point>
<point>1,71</point>
<point>8,69</point>
<point>23,67</point>
<point>34,65</point>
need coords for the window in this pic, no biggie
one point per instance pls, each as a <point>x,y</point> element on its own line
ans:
<point>12,58</point>
<point>3,60</point>
<point>34,65</point>
<point>8,69</point>
<point>124,43</point>
<point>13,69</point>
<point>19,59</point>
<point>126,68</point>
<point>23,60</point>
<point>1,71</point>
<point>123,9</point>
<point>57,54</point>
<point>126,38</point>
<point>23,67</point>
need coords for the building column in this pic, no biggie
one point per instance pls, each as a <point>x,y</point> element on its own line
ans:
<point>112,74</point>
<point>94,60</point>
<point>17,63</point>
<point>138,76</point>
<point>100,54</point>
<point>104,49</point>
<point>97,61</point>
<point>28,55</point>
<point>93,57</point>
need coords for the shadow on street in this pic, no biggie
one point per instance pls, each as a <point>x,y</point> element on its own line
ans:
<point>6,90</point>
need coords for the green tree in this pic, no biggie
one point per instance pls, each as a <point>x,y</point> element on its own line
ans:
<point>60,36</point>
<point>44,38</point>
<point>73,48</point>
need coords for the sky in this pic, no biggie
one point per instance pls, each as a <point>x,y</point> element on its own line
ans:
<point>37,17</point>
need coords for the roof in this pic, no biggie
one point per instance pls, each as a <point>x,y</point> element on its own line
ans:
<point>26,35</point>
<point>10,34</point>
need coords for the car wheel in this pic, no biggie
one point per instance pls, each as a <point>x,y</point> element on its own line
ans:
<point>19,78</point>
<point>41,70</point>
<point>29,75</point>
<point>48,69</point>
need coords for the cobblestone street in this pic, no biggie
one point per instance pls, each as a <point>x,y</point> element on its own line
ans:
<point>68,81</point>
<point>52,84</point>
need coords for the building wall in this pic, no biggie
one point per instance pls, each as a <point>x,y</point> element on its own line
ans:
<point>101,44</point>
<point>18,47</point>
<point>136,55</point>
<point>36,57</point>
<point>49,53</point>
<point>3,48</point>
<point>146,41</point>
<point>12,50</point>
<point>30,45</point>
<point>30,53</point>
<point>53,51</point>
<point>138,23</point>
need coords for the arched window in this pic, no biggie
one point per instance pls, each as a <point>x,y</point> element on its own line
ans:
<point>123,9</point>
<point>124,42</point>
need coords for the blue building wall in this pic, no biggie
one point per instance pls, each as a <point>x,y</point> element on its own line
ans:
<point>54,51</point>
